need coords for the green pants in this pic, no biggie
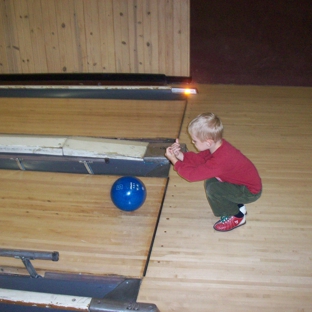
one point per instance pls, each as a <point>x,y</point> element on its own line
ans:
<point>224,197</point>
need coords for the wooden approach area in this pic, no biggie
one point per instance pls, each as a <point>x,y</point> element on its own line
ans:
<point>265,265</point>
<point>71,213</point>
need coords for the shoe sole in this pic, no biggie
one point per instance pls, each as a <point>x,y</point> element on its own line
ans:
<point>231,229</point>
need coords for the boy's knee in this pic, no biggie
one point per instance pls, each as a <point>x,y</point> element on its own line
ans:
<point>210,186</point>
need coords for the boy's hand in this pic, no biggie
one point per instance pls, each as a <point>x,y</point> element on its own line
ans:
<point>173,152</point>
<point>170,155</point>
<point>176,149</point>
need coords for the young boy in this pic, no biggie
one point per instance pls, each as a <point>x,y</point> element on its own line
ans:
<point>231,179</point>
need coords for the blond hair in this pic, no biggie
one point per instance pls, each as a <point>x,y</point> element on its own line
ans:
<point>206,126</point>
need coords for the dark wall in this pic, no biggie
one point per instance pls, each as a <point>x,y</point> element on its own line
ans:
<point>251,42</point>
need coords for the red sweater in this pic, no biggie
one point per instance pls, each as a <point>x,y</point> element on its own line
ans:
<point>227,164</point>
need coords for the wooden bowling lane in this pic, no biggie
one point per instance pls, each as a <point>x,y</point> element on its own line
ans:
<point>73,214</point>
<point>91,117</point>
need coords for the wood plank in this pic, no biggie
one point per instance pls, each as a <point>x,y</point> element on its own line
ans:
<point>107,35</point>
<point>120,10</point>
<point>4,60</point>
<point>74,215</point>
<point>80,36</point>
<point>264,265</point>
<point>51,36</point>
<point>46,145</point>
<point>139,37</point>
<point>132,26</point>
<point>170,64</point>
<point>21,14</point>
<point>92,34</point>
<point>162,33</point>
<point>148,44</point>
<point>73,146</point>
<point>65,26</point>
<point>102,148</point>
<point>185,37</point>
<point>176,36</point>
<point>154,35</point>
<point>42,300</point>
<point>37,36</point>
<point>98,118</point>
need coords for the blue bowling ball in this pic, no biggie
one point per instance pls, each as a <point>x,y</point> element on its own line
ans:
<point>128,193</point>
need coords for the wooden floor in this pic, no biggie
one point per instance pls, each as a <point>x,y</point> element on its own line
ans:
<point>265,265</point>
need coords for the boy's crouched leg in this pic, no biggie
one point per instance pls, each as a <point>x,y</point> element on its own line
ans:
<point>217,193</point>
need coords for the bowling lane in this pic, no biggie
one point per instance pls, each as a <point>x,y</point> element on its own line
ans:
<point>90,117</point>
<point>74,215</point>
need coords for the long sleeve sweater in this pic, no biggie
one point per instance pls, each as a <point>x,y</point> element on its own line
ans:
<point>227,164</point>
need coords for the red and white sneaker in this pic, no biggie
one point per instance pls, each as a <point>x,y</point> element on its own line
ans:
<point>229,223</point>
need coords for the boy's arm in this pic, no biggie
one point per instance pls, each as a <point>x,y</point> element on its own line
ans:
<point>195,172</point>
<point>195,167</point>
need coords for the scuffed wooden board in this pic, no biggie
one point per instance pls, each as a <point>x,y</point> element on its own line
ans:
<point>44,300</point>
<point>96,147</point>
<point>43,145</point>
<point>72,146</point>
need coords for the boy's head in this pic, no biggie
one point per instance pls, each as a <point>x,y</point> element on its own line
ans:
<point>206,126</point>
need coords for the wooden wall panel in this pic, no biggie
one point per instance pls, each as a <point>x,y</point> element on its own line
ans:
<point>112,36</point>
<point>49,27</point>
<point>107,49</point>
<point>9,41</point>
<point>4,61</point>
